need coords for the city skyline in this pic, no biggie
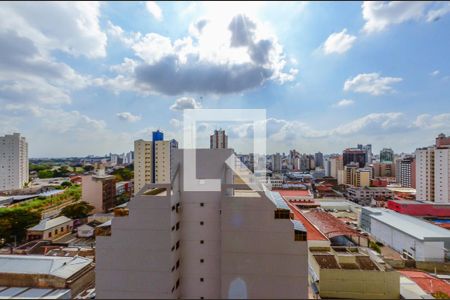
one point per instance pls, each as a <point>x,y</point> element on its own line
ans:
<point>367,75</point>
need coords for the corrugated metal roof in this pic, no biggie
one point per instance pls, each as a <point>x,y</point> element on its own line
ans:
<point>414,227</point>
<point>298,226</point>
<point>63,267</point>
<point>50,223</point>
<point>33,293</point>
<point>276,198</point>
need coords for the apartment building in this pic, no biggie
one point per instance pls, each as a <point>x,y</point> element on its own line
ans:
<point>336,165</point>
<point>433,170</point>
<point>407,172</point>
<point>99,191</point>
<point>177,243</point>
<point>219,140</point>
<point>152,161</point>
<point>14,172</point>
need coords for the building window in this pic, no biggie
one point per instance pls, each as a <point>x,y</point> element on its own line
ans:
<point>202,260</point>
<point>201,279</point>
<point>177,245</point>
<point>49,234</point>
<point>177,284</point>
<point>178,225</point>
<point>282,214</point>
<point>201,223</point>
<point>177,264</point>
<point>300,235</point>
<point>202,242</point>
<point>202,204</point>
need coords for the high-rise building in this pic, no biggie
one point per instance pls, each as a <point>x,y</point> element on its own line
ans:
<point>387,155</point>
<point>152,162</point>
<point>355,155</point>
<point>318,158</point>
<point>14,168</point>
<point>99,191</point>
<point>327,166</point>
<point>433,171</point>
<point>369,155</point>
<point>383,169</point>
<point>219,140</point>
<point>231,243</point>
<point>276,162</point>
<point>336,165</point>
<point>407,172</point>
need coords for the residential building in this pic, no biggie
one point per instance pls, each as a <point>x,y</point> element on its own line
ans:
<point>387,155</point>
<point>408,172</point>
<point>152,161</point>
<point>362,177</point>
<point>383,169</point>
<point>99,191</point>
<point>14,173</point>
<point>369,155</point>
<point>318,158</point>
<point>50,277</point>
<point>218,140</point>
<point>354,155</point>
<point>336,165</point>
<point>276,162</point>
<point>412,237</point>
<point>230,243</point>
<point>433,171</point>
<point>364,195</point>
<point>350,172</point>
<point>327,166</point>
<point>50,229</point>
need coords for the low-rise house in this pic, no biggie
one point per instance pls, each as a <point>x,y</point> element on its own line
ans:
<point>85,231</point>
<point>50,229</point>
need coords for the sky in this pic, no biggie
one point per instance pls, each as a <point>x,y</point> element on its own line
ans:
<point>92,77</point>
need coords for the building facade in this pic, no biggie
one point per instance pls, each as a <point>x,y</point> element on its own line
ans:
<point>354,155</point>
<point>14,169</point>
<point>152,161</point>
<point>408,172</point>
<point>218,140</point>
<point>387,155</point>
<point>229,243</point>
<point>99,191</point>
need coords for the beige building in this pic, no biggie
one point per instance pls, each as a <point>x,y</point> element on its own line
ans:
<point>336,165</point>
<point>14,169</point>
<point>50,229</point>
<point>231,243</point>
<point>99,191</point>
<point>433,171</point>
<point>152,162</point>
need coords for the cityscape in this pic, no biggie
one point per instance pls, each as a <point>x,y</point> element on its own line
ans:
<point>172,150</point>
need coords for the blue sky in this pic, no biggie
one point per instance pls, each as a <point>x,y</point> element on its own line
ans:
<point>90,78</point>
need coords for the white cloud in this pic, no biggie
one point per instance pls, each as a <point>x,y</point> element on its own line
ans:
<point>185,103</point>
<point>435,73</point>
<point>344,102</point>
<point>339,42</point>
<point>371,83</point>
<point>154,10</point>
<point>379,15</point>
<point>72,27</point>
<point>436,14</point>
<point>175,123</point>
<point>128,117</point>
<point>116,32</point>
<point>428,121</point>
<point>219,56</point>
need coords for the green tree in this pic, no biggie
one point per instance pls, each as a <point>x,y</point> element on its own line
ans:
<point>77,210</point>
<point>14,223</point>
<point>45,173</point>
<point>66,184</point>
<point>88,168</point>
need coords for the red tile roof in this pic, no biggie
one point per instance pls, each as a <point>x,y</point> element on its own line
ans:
<point>427,282</point>
<point>329,225</point>
<point>313,234</point>
<point>293,193</point>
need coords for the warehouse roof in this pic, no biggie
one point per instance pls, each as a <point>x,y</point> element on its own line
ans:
<point>63,267</point>
<point>414,227</point>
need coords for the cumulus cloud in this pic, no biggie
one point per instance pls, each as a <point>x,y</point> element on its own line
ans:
<point>116,32</point>
<point>154,10</point>
<point>344,102</point>
<point>72,27</point>
<point>371,83</point>
<point>128,117</point>
<point>379,15</point>
<point>435,73</point>
<point>339,42</point>
<point>185,103</point>
<point>215,58</point>
<point>433,122</point>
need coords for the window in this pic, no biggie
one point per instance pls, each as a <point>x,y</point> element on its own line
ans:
<point>201,223</point>
<point>49,234</point>
<point>201,279</point>
<point>202,242</point>
<point>282,214</point>
<point>178,225</point>
<point>202,260</point>
<point>300,235</point>
<point>56,231</point>
<point>177,284</point>
<point>202,204</point>
<point>177,264</point>
<point>177,245</point>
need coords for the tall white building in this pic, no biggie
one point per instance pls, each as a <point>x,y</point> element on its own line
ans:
<point>152,162</point>
<point>14,168</point>
<point>276,162</point>
<point>231,243</point>
<point>219,140</point>
<point>433,171</point>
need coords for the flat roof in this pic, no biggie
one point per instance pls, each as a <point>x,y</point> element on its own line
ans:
<point>33,293</point>
<point>293,193</point>
<point>414,227</point>
<point>50,223</point>
<point>63,267</point>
